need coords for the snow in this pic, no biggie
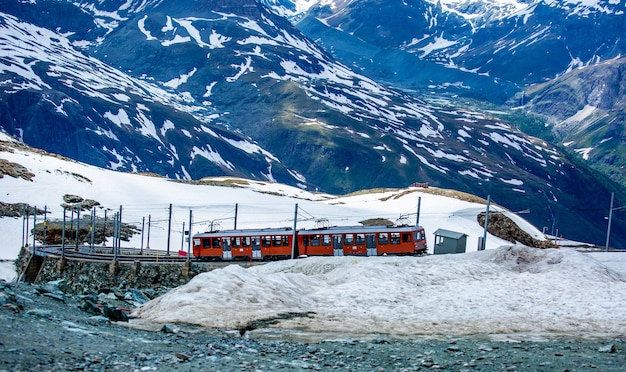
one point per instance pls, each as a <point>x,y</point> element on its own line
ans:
<point>510,292</point>
<point>506,291</point>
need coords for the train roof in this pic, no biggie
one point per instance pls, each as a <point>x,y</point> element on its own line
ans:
<point>325,230</point>
<point>250,232</point>
<point>360,229</point>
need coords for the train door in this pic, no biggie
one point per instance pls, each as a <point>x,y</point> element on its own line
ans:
<point>256,248</point>
<point>337,246</point>
<point>370,243</point>
<point>227,254</point>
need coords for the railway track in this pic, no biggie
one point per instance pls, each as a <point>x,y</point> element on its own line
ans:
<point>105,254</point>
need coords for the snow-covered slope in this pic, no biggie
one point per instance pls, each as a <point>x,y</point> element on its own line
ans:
<point>517,293</point>
<point>41,180</point>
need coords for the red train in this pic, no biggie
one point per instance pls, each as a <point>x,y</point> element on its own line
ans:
<point>277,243</point>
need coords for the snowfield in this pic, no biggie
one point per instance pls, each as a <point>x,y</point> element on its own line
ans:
<point>509,292</point>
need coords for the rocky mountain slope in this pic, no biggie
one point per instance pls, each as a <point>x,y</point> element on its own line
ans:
<point>490,50</point>
<point>193,89</point>
<point>586,111</point>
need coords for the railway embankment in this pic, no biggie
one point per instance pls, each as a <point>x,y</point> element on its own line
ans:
<point>84,276</point>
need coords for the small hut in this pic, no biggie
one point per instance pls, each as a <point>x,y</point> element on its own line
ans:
<point>447,241</point>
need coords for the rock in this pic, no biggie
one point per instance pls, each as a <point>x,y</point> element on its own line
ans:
<point>90,307</point>
<point>168,329</point>
<point>610,348</point>
<point>116,315</point>
<point>42,313</point>
<point>136,296</point>
<point>379,341</point>
<point>183,356</point>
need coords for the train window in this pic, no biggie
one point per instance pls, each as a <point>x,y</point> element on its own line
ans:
<point>215,242</point>
<point>395,238</point>
<point>325,239</point>
<point>285,240</point>
<point>315,240</point>
<point>348,239</point>
<point>383,238</point>
<point>206,243</point>
<point>276,241</point>
<point>266,241</point>
<point>406,237</point>
<point>360,238</point>
<point>419,235</point>
<point>236,242</point>
<point>246,241</point>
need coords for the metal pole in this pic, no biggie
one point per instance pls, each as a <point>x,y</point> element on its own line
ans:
<point>189,239</point>
<point>45,223</point>
<point>92,229</point>
<point>608,230</point>
<point>419,204</point>
<point>182,238</point>
<point>104,230</point>
<point>23,224</point>
<point>63,235</point>
<point>34,228</point>
<point>143,224</point>
<point>27,223</point>
<point>486,223</point>
<point>169,230</point>
<point>293,239</point>
<point>236,211</point>
<point>115,228</point>
<point>77,226</point>
<point>149,225</point>
<point>119,227</point>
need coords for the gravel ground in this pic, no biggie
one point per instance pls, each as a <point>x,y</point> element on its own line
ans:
<point>44,330</point>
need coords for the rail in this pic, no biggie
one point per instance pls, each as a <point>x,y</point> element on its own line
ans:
<point>108,254</point>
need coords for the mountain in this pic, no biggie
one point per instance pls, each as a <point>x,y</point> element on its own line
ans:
<point>509,42</point>
<point>490,50</point>
<point>586,110</point>
<point>199,88</point>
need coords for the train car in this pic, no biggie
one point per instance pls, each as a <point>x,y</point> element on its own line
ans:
<point>277,243</point>
<point>248,244</point>
<point>362,241</point>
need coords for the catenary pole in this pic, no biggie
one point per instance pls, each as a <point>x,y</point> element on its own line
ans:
<point>608,229</point>
<point>92,229</point>
<point>27,224</point>
<point>486,223</point>
<point>169,229</point>
<point>23,224</point>
<point>182,238</point>
<point>293,240</point>
<point>149,225</point>
<point>189,238</point>
<point>34,227</point>
<point>236,211</point>
<point>143,227</point>
<point>77,226</point>
<point>63,235</point>
<point>45,223</point>
<point>419,204</point>
<point>104,230</point>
